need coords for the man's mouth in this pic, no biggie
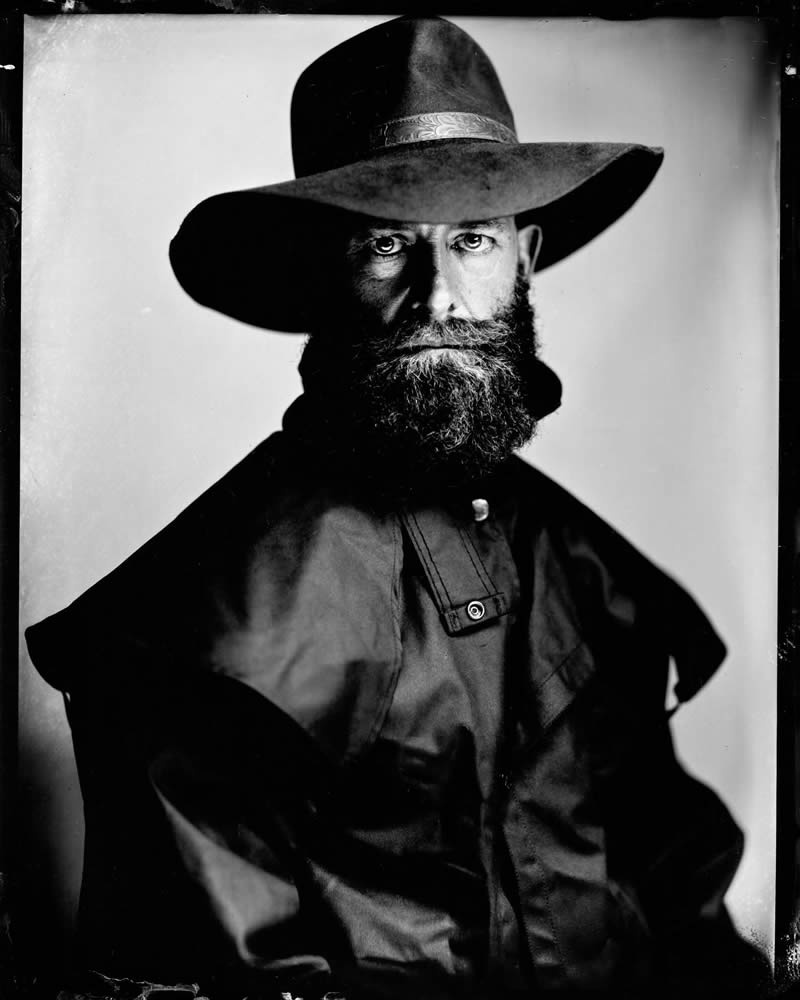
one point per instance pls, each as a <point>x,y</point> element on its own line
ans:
<point>419,348</point>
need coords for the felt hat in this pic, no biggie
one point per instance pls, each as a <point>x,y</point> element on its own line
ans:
<point>408,122</point>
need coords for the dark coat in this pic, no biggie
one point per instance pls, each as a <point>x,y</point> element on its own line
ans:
<point>303,746</point>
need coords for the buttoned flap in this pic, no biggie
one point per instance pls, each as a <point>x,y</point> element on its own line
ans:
<point>475,612</point>
<point>469,567</point>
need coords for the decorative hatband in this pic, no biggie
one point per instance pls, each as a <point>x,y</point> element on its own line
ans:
<point>439,125</point>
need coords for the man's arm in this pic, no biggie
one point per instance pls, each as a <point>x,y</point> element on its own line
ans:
<point>195,794</point>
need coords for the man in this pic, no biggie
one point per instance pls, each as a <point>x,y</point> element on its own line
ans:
<point>383,711</point>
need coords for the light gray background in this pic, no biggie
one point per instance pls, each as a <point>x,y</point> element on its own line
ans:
<point>664,332</point>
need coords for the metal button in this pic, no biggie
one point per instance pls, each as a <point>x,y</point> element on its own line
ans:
<point>476,610</point>
<point>480,509</point>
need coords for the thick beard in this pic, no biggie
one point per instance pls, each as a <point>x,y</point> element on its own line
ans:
<point>410,420</point>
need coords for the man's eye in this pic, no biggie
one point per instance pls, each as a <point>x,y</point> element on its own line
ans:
<point>473,242</point>
<point>386,246</point>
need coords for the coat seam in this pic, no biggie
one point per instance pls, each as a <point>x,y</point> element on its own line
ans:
<point>432,562</point>
<point>485,577</point>
<point>558,667</point>
<point>386,700</point>
<point>549,911</point>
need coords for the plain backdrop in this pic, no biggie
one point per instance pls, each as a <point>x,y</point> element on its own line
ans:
<point>664,332</point>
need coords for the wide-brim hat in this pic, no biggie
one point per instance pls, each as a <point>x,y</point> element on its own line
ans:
<point>407,122</point>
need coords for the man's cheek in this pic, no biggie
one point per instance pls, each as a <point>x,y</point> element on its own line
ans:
<point>376,293</point>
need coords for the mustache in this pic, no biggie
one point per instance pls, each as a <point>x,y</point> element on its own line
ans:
<point>412,335</point>
<point>348,348</point>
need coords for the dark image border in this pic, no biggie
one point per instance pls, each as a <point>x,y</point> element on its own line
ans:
<point>783,20</point>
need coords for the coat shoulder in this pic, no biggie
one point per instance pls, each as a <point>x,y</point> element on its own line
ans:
<point>619,590</point>
<point>561,512</point>
<point>257,538</point>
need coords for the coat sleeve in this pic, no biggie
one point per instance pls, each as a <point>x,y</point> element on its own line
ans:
<point>680,849</point>
<point>671,840</point>
<point>196,797</point>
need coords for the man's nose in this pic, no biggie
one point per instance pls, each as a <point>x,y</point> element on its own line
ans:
<point>432,291</point>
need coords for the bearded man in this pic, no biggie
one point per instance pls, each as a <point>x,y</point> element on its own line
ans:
<point>383,711</point>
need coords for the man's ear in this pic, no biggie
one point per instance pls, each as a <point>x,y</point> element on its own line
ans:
<point>530,243</point>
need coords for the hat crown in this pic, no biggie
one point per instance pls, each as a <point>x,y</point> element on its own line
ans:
<point>407,80</point>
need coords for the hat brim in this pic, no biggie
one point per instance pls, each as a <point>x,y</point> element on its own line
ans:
<point>254,254</point>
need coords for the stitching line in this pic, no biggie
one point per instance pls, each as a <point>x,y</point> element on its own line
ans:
<point>418,542</point>
<point>432,563</point>
<point>565,659</point>
<point>473,554</point>
<point>485,580</point>
<point>388,695</point>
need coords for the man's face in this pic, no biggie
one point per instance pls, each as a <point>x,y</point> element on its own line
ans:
<point>411,272</point>
<point>424,353</point>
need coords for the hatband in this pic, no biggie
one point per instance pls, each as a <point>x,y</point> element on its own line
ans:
<point>438,125</point>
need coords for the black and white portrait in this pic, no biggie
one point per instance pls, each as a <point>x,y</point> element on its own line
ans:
<point>443,666</point>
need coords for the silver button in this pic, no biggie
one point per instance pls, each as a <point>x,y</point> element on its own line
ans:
<point>476,610</point>
<point>480,509</point>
